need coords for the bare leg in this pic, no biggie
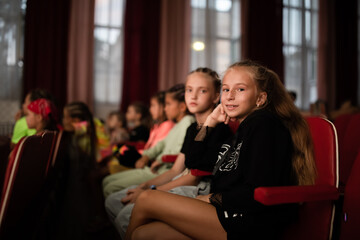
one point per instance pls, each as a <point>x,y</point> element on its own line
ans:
<point>191,217</point>
<point>151,231</point>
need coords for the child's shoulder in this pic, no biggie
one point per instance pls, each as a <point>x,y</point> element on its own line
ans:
<point>188,119</point>
<point>167,124</point>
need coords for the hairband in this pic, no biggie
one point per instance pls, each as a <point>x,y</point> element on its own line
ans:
<point>43,107</point>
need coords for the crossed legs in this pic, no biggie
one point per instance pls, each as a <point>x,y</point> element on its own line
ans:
<point>163,215</point>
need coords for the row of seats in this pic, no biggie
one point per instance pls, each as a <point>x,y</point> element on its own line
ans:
<point>23,196</point>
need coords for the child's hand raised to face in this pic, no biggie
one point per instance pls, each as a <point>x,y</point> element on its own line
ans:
<point>218,115</point>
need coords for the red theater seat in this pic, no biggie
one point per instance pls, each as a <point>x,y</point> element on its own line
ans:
<point>316,212</point>
<point>349,146</point>
<point>24,187</point>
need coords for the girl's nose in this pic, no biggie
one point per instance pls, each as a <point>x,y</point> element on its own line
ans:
<point>231,94</point>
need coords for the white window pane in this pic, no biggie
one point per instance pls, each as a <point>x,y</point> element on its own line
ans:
<point>108,55</point>
<point>116,13</point>
<point>293,71</point>
<point>308,26</point>
<point>11,50</point>
<point>217,26</point>
<point>198,22</point>
<point>295,3</point>
<point>314,29</point>
<point>235,21</point>
<point>223,5</point>
<point>198,3</point>
<point>315,4</point>
<point>295,26</point>
<point>223,54</point>
<point>286,25</point>
<point>102,12</point>
<point>114,36</point>
<point>223,24</point>
<point>300,50</point>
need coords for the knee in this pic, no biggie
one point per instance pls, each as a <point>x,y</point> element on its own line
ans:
<point>144,196</point>
<point>140,234</point>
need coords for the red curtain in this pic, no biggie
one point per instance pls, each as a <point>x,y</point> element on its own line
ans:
<point>337,52</point>
<point>261,33</point>
<point>45,48</point>
<point>175,35</point>
<point>141,51</point>
<point>326,77</point>
<point>346,51</point>
<point>81,52</point>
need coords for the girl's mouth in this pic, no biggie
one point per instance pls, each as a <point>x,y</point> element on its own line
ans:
<point>231,107</point>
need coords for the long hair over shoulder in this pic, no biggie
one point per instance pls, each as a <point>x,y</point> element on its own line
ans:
<point>280,103</point>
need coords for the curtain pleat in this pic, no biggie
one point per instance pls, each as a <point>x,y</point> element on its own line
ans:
<point>81,52</point>
<point>45,47</point>
<point>174,52</point>
<point>141,51</point>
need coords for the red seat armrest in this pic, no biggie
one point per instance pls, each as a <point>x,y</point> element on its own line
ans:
<point>295,194</point>
<point>169,158</point>
<point>138,145</point>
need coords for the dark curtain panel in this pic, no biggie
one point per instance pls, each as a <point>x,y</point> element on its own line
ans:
<point>326,74</point>
<point>141,51</point>
<point>337,52</point>
<point>261,23</point>
<point>346,51</point>
<point>81,53</point>
<point>45,49</point>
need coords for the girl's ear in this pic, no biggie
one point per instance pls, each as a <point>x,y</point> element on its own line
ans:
<point>217,98</point>
<point>38,117</point>
<point>261,100</point>
<point>183,107</point>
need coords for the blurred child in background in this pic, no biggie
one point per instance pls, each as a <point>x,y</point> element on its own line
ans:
<point>21,128</point>
<point>128,155</point>
<point>42,115</point>
<point>138,122</point>
<point>116,127</point>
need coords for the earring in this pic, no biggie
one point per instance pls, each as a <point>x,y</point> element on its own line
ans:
<point>257,105</point>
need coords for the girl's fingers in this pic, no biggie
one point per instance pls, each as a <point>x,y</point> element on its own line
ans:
<point>227,118</point>
<point>222,111</point>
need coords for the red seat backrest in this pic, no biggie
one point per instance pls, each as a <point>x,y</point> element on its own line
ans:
<point>25,178</point>
<point>341,123</point>
<point>324,137</point>
<point>316,218</point>
<point>349,147</point>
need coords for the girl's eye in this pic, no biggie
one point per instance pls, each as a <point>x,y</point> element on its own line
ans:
<point>203,91</point>
<point>241,89</point>
<point>188,90</point>
<point>225,90</point>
